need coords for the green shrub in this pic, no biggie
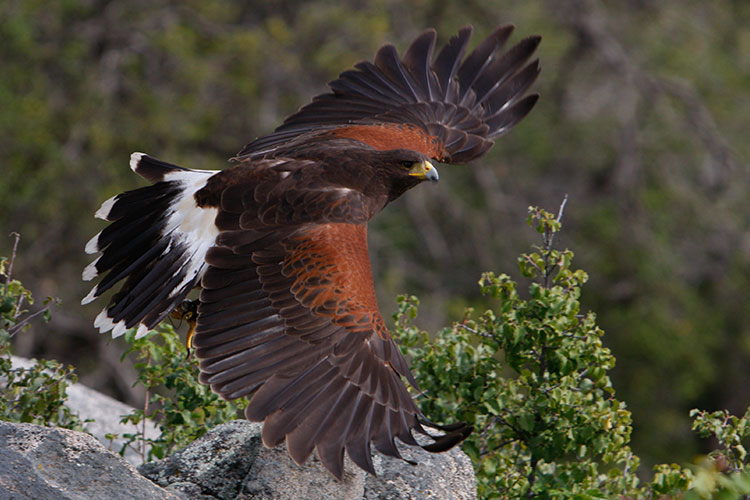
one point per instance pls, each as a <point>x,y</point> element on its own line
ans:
<point>722,474</point>
<point>182,407</point>
<point>37,394</point>
<point>531,375</point>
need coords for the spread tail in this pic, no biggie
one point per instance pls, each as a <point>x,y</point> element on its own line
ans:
<point>156,243</point>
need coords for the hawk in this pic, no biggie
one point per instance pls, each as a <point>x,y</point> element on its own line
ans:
<point>277,243</point>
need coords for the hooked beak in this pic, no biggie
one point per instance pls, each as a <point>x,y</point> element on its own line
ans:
<point>424,170</point>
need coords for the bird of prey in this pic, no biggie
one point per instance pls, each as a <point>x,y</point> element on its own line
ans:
<point>277,243</point>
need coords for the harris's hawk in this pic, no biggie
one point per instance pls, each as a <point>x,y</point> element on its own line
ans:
<point>277,243</point>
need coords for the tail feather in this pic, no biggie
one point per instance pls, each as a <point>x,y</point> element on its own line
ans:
<point>130,266</point>
<point>147,287</point>
<point>137,241</point>
<point>156,243</point>
<point>138,201</point>
<point>153,169</point>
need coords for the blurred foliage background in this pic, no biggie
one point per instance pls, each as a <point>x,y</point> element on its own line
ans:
<point>643,121</point>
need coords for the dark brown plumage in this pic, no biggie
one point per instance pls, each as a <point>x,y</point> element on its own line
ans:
<point>278,243</point>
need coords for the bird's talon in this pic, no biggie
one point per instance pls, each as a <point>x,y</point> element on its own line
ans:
<point>187,311</point>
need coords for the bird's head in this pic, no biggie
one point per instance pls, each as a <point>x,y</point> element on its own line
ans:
<point>402,169</point>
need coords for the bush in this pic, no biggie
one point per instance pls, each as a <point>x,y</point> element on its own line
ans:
<point>37,394</point>
<point>182,407</point>
<point>531,376</point>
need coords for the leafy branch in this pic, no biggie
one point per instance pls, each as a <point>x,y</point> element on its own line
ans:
<point>36,394</point>
<point>532,376</point>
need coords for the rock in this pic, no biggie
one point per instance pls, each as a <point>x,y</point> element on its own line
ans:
<point>230,462</point>
<point>436,476</point>
<point>105,412</point>
<point>41,463</point>
<point>310,480</point>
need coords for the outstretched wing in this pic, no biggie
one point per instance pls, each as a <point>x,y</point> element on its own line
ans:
<point>288,313</point>
<point>450,108</point>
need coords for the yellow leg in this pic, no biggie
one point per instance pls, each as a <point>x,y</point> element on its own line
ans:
<point>190,333</point>
<point>187,311</point>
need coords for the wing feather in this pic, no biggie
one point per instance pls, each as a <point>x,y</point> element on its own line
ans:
<point>417,60</point>
<point>301,439</point>
<point>502,122</point>
<point>416,93</point>
<point>503,68</point>
<point>447,63</point>
<point>388,62</point>
<point>364,82</point>
<point>309,344</point>
<point>514,88</point>
<point>308,395</point>
<point>232,340</point>
<point>475,63</point>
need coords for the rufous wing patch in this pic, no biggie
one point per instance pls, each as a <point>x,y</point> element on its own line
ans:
<point>387,136</point>
<point>330,266</point>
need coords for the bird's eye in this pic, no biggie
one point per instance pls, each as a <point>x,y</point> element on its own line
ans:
<point>407,164</point>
